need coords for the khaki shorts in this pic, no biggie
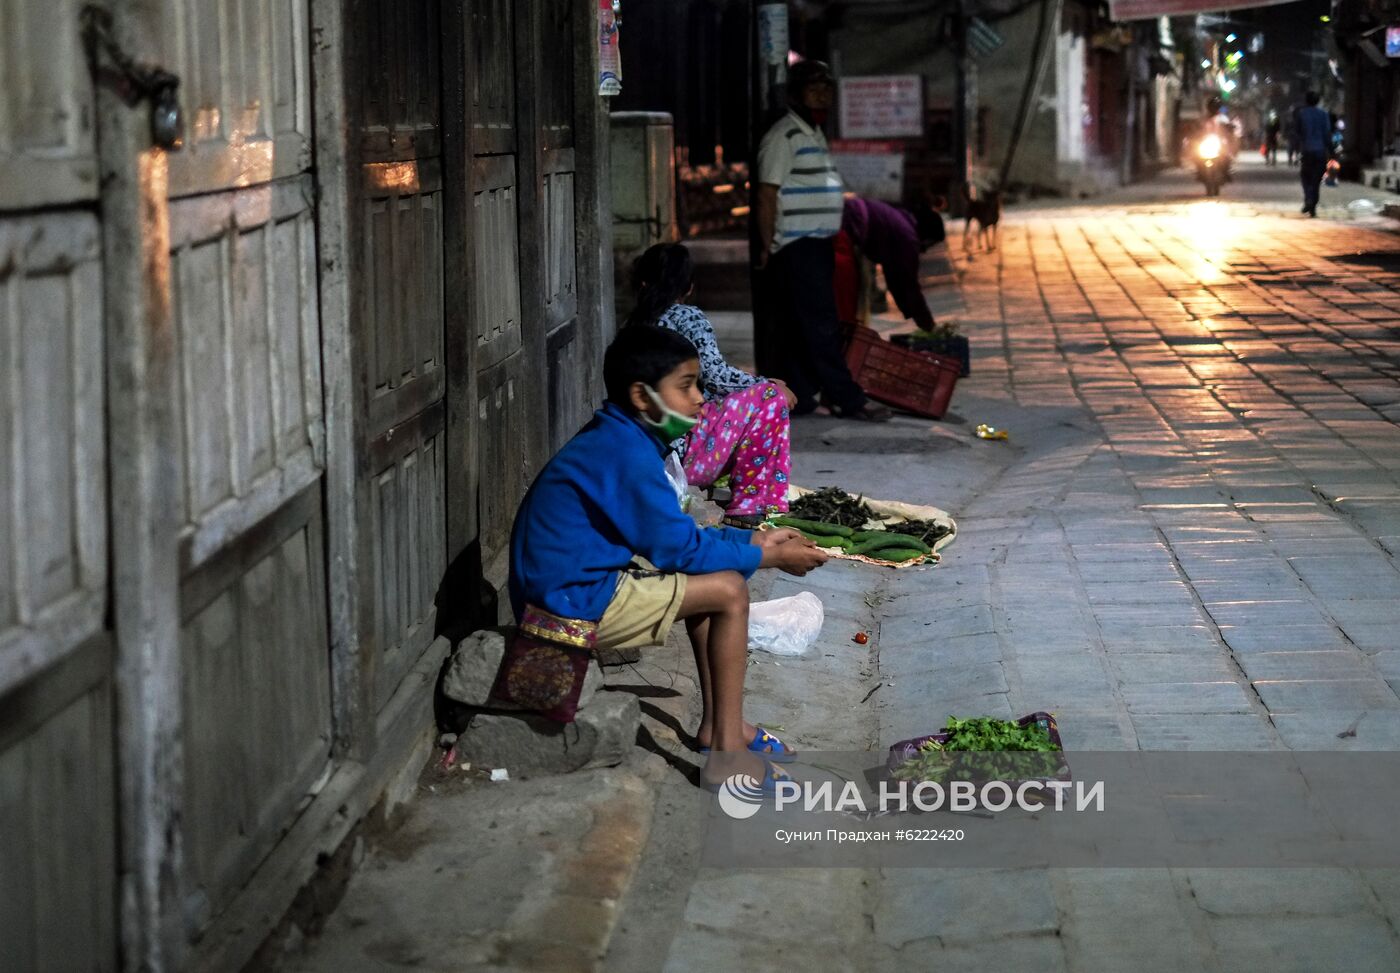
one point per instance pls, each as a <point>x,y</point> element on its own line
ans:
<point>643,608</point>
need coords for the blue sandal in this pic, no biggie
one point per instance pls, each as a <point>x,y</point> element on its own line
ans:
<point>770,746</point>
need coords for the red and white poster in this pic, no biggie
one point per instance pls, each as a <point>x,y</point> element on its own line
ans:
<point>609,57</point>
<point>1152,9</point>
<point>882,107</point>
<point>874,169</point>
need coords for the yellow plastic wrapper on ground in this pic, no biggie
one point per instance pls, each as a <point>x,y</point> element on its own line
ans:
<point>985,431</point>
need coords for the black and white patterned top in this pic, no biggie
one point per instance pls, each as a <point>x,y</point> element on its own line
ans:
<point>717,377</point>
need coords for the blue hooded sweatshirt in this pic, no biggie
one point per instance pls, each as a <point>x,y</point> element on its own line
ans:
<point>601,500</point>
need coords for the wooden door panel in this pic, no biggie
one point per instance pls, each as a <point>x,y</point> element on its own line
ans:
<point>47,149</point>
<point>244,68</point>
<point>503,451</point>
<point>496,235</point>
<point>561,271</point>
<point>409,543</point>
<point>403,289</point>
<point>244,299</point>
<point>556,67</point>
<point>568,410</point>
<point>53,508</point>
<point>58,843</point>
<point>402,105</point>
<point>256,693</point>
<point>492,44</point>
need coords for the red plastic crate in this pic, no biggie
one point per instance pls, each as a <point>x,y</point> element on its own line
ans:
<point>917,382</point>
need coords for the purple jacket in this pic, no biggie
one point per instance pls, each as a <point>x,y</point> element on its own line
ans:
<point>887,235</point>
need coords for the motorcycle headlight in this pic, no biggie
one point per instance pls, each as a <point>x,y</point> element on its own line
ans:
<point>1209,147</point>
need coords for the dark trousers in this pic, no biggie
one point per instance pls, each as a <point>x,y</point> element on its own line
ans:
<point>1314,166</point>
<point>801,275</point>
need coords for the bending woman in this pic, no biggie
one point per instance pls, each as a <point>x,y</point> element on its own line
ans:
<point>743,427</point>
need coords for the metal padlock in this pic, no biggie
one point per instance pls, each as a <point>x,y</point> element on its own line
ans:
<point>167,121</point>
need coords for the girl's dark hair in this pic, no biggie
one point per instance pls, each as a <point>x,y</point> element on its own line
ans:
<point>660,278</point>
<point>642,353</point>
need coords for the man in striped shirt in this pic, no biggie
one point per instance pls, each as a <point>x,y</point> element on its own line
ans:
<point>798,205</point>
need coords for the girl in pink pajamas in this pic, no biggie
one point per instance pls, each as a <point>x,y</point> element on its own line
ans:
<point>743,427</point>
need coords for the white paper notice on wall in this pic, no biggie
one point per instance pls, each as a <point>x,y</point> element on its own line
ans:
<point>874,169</point>
<point>882,107</point>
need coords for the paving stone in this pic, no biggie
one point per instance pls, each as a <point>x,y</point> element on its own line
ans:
<point>963,906</point>
<point>757,904</point>
<point>1305,944</point>
<point>1071,676</point>
<point>938,622</point>
<point>933,653</point>
<point>1103,903</point>
<point>696,950</point>
<point>1154,569</point>
<point>1373,637</point>
<point>1080,731</point>
<point>1339,695</point>
<point>1178,639</point>
<point>1343,664</point>
<point>1187,697</point>
<point>1164,667</point>
<point>1205,731</point>
<point>1043,953</point>
<point>1318,730</point>
<point>1279,891</point>
<point>1295,638</point>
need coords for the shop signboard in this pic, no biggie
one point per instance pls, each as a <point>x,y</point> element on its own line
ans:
<point>1123,10</point>
<point>870,168</point>
<point>882,107</point>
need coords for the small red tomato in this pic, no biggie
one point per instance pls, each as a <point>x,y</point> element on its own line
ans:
<point>861,638</point>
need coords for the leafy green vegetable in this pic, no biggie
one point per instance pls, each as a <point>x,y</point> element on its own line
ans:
<point>984,748</point>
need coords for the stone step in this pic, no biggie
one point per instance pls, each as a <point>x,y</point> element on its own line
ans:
<point>519,875</point>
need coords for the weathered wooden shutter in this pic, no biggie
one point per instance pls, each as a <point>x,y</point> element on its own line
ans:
<point>399,313</point>
<point>57,793</point>
<point>254,653</point>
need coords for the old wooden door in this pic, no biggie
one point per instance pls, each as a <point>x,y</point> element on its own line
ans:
<point>57,794</point>
<point>398,315</point>
<point>531,367</point>
<point>254,657</point>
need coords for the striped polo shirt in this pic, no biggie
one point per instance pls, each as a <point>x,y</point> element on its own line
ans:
<point>794,157</point>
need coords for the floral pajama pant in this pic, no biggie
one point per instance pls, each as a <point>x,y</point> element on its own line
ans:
<point>744,434</point>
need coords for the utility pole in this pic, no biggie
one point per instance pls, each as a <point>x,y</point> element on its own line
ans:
<point>768,83</point>
<point>961,124</point>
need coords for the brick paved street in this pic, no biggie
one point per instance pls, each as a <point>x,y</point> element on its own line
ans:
<point>1189,543</point>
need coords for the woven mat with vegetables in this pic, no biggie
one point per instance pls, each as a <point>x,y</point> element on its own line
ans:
<point>883,532</point>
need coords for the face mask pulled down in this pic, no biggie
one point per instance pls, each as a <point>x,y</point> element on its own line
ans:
<point>672,425</point>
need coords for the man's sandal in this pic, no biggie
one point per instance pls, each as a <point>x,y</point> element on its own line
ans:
<point>770,746</point>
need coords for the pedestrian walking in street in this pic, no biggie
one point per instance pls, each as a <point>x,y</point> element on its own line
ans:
<point>1271,136</point>
<point>894,238</point>
<point>797,199</point>
<point>1313,134</point>
<point>743,427</point>
<point>600,550</point>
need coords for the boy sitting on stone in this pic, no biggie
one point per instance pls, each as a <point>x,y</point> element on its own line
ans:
<point>600,537</point>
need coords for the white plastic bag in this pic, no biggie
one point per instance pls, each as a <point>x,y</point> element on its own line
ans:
<point>675,472</point>
<point>786,626</point>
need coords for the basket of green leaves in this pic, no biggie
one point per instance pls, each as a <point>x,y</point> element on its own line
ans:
<point>983,748</point>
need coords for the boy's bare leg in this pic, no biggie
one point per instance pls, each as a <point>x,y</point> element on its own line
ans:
<point>721,602</point>
<point>698,628</point>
